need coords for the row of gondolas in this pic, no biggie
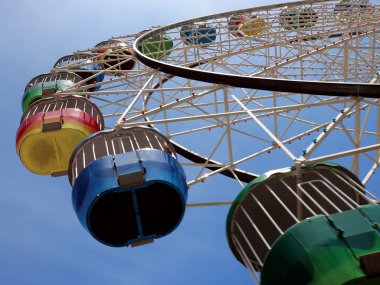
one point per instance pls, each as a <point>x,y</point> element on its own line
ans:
<point>115,174</point>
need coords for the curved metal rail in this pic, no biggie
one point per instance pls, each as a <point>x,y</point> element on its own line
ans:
<point>344,89</point>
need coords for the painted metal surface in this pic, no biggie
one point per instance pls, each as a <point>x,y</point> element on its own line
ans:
<point>246,25</point>
<point>45,141</point>
<point>198,34</point>
<point>157,47</point>
<point>125,198</point>
<point>84,66</point>
<point>326,250</point>
<point>298,18</point>
<point>283,220</point>
<point>116,56</point>
<point>45,85</point>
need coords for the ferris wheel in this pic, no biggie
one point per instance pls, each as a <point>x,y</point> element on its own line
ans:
<point>289,90</point>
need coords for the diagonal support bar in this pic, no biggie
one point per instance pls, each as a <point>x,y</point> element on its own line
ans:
<point>342,154</point>
<point>326,131</point>
<point>135,100</point>
<point>273,137</point>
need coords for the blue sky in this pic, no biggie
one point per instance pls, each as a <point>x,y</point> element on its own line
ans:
<point>41,240</point>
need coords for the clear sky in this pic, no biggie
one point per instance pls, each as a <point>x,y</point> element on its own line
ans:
<point>41,240</point>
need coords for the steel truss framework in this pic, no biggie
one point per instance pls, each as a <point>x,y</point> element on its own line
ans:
<point>295,93</point>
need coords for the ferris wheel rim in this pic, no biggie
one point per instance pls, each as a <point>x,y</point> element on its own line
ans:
<point>222,79</point>
<point>331,88</point>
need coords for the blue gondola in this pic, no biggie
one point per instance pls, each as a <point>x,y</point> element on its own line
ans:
<point>198,34</point>
<point>128,187</point>
<point>84,66</point>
